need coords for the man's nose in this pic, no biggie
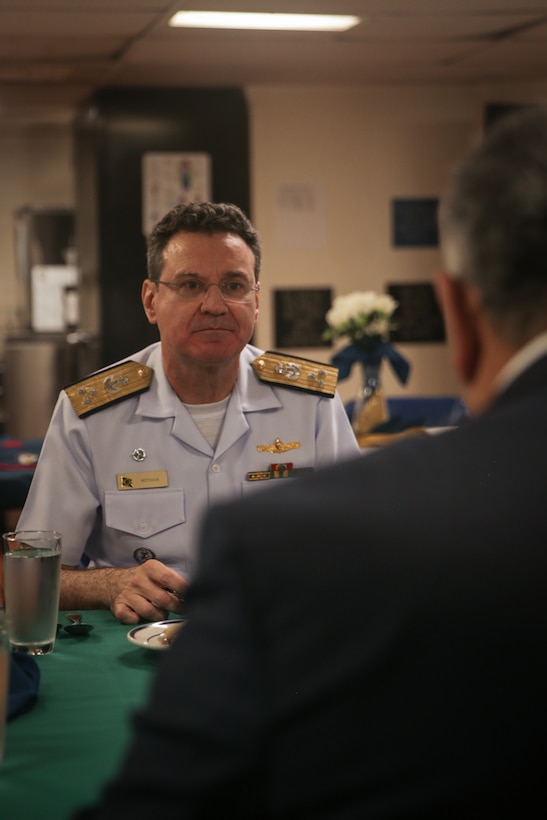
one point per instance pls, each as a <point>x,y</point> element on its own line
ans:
<point>212,300</point>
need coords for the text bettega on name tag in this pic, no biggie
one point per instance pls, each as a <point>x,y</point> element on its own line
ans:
<point>142,481</point>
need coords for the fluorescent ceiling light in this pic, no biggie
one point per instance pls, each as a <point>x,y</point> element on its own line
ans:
<point>273,21</point>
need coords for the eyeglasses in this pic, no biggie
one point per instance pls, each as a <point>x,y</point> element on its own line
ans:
<point>231,290</point>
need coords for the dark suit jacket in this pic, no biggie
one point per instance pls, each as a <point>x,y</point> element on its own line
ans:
<point>369,642</point>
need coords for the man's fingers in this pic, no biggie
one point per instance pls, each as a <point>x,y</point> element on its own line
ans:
<point>124,613</point>
<point>147,592</point>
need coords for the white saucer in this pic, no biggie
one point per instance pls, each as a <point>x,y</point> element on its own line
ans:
<point>149,635</point>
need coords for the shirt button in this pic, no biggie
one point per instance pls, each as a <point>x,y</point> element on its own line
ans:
<point>143,526</point>
<point>216,468</point>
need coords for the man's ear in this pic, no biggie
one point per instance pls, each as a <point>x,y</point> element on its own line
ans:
<point>459,305</point>
<point>148,296</point>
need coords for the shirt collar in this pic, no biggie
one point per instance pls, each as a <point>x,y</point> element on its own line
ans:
<point>521,361</point>
<point>160,401</point>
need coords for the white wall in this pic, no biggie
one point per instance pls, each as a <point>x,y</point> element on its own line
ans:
<point>360,148</point>
<point>357,147</point>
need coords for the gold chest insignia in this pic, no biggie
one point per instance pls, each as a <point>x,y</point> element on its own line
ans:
<point>278,446</point>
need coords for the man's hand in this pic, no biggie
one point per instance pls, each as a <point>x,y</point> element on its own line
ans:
<point>147,592</point>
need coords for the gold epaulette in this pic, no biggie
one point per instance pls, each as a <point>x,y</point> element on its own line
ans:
<point>300,374</point>
<point>108,386</point>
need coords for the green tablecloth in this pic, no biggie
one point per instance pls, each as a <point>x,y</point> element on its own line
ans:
<point>58,755</point>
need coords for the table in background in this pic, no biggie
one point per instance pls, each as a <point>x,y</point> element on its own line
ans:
<point>58,755</point>
<point>15,477</point>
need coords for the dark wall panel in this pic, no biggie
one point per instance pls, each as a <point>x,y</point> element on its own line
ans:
<point>112,134</point>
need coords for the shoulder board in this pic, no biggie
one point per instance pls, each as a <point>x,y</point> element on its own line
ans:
<point>300,374</point>
<point>108,387</point>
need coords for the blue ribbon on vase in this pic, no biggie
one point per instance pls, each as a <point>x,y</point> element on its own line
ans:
<point>346,357</point>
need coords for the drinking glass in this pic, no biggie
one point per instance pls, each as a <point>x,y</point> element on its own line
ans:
<point>32,578</point>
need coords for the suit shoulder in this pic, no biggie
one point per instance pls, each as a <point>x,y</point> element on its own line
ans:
<point>296,373</point>
<point>106,387</point>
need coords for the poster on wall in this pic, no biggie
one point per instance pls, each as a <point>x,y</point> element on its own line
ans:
<point>300,216</point>
<point>300,317</point>
<point>417,317</point>
<point>414,223</point>
<point>170,179</point>
<point>49,284</point>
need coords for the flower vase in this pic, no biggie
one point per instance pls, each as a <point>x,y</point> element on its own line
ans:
<point>370,408</point>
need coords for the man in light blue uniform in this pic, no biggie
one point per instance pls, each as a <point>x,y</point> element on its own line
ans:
<point>137,452</point>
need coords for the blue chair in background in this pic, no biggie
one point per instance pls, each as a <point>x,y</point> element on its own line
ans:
<point>420,411</point>
<point>427,411</point>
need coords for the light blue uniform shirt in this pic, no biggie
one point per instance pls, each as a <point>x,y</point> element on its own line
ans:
<point>75,488</point>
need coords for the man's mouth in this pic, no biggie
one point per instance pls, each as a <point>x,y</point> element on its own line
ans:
<point>213,329</point>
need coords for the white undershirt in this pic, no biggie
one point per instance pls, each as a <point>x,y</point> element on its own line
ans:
<point>209,418</point>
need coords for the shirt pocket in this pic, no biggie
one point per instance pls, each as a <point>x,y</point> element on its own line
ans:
<point>144,512</point>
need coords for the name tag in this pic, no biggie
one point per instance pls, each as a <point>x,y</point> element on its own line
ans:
<point>142,481</point>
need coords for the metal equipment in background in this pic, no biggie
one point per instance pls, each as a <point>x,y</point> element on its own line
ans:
<point>51,350</point>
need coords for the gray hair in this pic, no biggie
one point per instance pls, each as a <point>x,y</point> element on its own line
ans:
<point>200,217</point>
<point>493,224</point>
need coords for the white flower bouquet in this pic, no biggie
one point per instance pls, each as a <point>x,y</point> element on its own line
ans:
<point>364,319</point>
<point>361,317</point>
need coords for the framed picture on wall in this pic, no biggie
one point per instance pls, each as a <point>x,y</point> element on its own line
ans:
<point>300,316</point>
<point>170,179</point>
<point>414,222</point>
<point>417,317</point>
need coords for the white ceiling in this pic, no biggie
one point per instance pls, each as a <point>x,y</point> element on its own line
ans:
<point>55,53</point>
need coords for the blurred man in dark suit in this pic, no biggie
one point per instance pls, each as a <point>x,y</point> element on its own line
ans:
<point>370,642</point>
